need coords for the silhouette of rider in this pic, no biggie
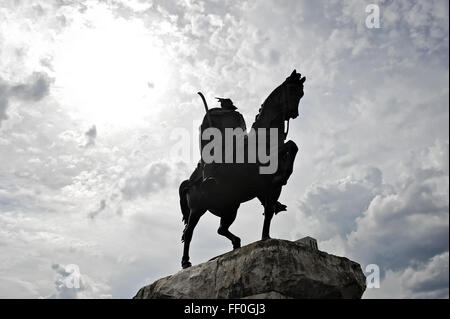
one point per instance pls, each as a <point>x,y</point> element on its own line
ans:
<point>207,171</point>
<point>226,104</point>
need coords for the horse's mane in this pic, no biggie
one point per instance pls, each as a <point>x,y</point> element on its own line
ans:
<point>271,95</point>
<point>293,78</point>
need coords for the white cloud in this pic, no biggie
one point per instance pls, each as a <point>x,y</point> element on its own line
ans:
<point>396,227</point>
<point>419,207</point>
<point>430,280</point>
<point>102,207</point>
<point>155,179</point>
<point>336,206</point>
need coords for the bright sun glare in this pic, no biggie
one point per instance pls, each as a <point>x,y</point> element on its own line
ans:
<point>112,72</point>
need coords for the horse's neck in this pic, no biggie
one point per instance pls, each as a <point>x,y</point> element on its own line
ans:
<point>271,113</point>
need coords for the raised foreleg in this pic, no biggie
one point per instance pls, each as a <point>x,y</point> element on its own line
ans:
<point>286,160</point>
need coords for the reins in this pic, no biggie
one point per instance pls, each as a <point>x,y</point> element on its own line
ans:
<point>285,107</point>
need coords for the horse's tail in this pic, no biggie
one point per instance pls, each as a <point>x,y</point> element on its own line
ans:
<point>184,187</point>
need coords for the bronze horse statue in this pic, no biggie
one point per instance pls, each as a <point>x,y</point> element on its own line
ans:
<point>238,183</point>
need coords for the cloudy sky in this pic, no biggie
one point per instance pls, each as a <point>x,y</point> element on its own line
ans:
<point>95,95</point>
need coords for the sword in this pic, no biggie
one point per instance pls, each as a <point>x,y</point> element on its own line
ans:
<point>206,108</point>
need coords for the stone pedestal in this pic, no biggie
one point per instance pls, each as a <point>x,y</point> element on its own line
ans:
<point>275,269</point>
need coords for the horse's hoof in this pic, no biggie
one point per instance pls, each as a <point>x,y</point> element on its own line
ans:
<point>237,244</point>
<point>266,237</point>
<point>186,264</point>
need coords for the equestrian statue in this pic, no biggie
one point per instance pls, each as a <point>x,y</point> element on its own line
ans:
<point>222,181</point>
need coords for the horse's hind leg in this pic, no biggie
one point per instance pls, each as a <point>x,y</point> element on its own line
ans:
<point>268,214</point>
<point>194,217</point>
<point>225,223</point>
<point>269,210</point>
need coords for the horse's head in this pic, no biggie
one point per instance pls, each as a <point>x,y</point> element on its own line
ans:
<point>292,92</point>
<point>282,103</point>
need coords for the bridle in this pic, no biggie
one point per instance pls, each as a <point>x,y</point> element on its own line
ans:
<point>284,106</point>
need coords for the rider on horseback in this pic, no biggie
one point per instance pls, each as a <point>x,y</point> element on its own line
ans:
<point>228,117</point>
<point>225,116</point>
<point>242,180</point>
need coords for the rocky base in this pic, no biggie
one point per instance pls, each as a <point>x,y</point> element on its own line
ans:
<point>270,269</point>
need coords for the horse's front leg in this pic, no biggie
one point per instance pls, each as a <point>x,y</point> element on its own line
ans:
<point>194,217</point>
